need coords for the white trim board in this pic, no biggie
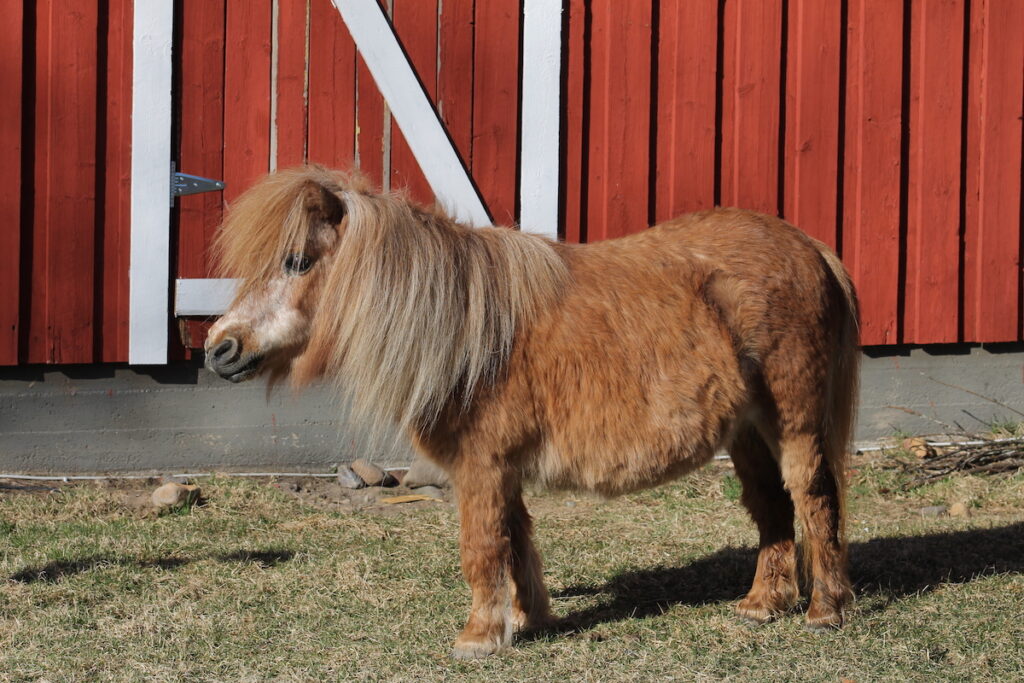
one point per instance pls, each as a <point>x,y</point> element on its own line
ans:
<point>541,108</point>
<point>415,115</point>
<point>203,296</point>
<point>149,260</point>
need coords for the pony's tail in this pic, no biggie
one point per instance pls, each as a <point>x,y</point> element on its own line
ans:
<point>841,400</point>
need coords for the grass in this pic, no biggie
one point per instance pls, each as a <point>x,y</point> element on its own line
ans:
<point>258,585</point>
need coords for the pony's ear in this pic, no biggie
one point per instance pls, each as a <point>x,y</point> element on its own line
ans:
<point>323,204</point>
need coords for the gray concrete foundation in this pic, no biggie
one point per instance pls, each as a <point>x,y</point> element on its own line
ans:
<point>179,418</point>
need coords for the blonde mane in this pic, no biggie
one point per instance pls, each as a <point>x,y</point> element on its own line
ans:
<point>415,311</point>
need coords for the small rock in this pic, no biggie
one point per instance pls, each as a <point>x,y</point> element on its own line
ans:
<point>423,472</point>
<point>933,511</point>
<point>570,503</point>
<point>366,497</point>
<point>370,473</point>
<point>430,492</point>
<point>173,494</point>
<point>959,510</point>
<point>919,447</point>
<point>349,479</point>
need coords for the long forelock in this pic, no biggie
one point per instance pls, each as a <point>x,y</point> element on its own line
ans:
<point>269,221</point>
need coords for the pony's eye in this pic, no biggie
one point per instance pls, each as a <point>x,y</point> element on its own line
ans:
<point>297,264</point>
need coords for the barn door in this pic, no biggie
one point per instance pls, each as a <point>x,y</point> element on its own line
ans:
<point>418,95</point>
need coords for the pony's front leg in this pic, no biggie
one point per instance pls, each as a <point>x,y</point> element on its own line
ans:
<point>486,550</point>
<point>530,603</point>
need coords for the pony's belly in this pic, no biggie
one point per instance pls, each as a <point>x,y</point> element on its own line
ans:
<point>610,473</point>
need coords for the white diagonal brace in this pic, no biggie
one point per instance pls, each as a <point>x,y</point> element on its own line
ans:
<point>379,47</point>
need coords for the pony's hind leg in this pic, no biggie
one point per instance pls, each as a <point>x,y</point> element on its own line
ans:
<point>530,603</point>
<point>775,589</point>
<point>486,551</point>
<point>817,495</point>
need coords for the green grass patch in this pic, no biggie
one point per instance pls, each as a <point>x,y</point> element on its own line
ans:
<point>255,585</point>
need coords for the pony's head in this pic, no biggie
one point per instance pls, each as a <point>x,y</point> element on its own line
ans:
<point>279,239</point>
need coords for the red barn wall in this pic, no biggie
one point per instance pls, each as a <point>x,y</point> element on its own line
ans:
<point>889,130</point>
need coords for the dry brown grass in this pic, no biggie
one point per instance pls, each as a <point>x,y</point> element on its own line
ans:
<point>258,584</point>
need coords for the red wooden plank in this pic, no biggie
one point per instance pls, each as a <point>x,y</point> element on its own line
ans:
<point>415,23</point>
<point>202,143</point>
<point>373,145</point>
<point>993,208</point>
<point>575,64</point>
<point>933,193</point>
<point>63,274</point>
<point>750,104</point>
<point>10,179</point>
<point>455,75</point>
<point>496,106</point>
<point>812,117</point>
<point>290,124</point>
<point>332,70</point>
<point>620,118</point>
<point>202,131</point>
<point>685,135</point>
<point>871,186</point>
<point>116,229</point>
<point>246,95</point>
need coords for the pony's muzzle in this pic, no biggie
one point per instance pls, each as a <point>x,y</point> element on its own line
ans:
<point>229,361</point>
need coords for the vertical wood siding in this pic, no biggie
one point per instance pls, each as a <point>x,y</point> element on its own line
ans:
<point>11,139</point>
<point>891,130</point>
<point>872,245</point>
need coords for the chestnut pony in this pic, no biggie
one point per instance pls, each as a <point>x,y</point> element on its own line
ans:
<point>606,367</point>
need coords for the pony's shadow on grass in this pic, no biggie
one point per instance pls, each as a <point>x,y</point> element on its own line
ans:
<point>890,568</point>
<point>260,558</point>
<point>54,571</point>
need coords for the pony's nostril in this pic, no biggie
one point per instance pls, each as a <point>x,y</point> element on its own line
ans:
<point>227,351</point>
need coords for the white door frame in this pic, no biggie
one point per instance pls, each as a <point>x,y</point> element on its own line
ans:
<point>150,256</point>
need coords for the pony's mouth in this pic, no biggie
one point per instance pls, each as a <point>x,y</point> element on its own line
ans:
<point>241,370</point>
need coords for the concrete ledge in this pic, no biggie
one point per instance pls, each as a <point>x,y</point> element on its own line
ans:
<point>75,419</point>
<point>118,419</point>
<point>959,385</point>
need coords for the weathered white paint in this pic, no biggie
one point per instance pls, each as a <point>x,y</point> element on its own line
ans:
<point>542,66</point>
<point>149,259</point>
<point>423,130</point>
<point>203,296</point>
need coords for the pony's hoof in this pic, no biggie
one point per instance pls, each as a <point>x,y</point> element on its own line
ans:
<point>521,622</point>
<point>473,650</point>
<point>823,623</point>
<point>755,612</point>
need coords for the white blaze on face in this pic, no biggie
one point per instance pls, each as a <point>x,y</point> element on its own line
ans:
<point>265,321</point>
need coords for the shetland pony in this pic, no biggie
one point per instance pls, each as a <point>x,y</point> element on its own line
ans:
<point>606,367</point>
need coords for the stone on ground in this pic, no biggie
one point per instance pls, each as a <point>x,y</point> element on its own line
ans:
<point>959,509</point>
<point>371,474</point>
<point>349,479</point>
<point>423,472</point>
<point>173,494</point>
<point>933,511</point>
<point>919,447</point>
<point>430,492</point>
